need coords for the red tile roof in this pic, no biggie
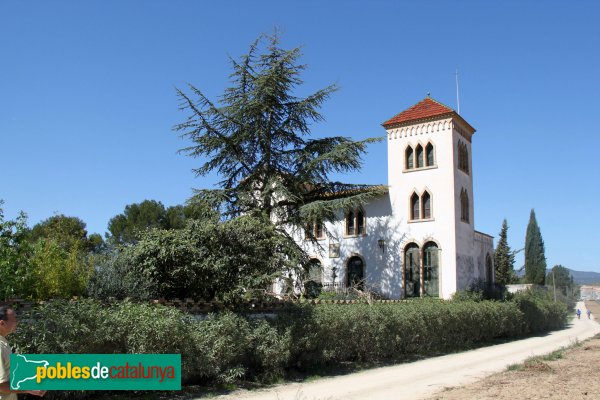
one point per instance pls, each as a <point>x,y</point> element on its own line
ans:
<point>423,109</point>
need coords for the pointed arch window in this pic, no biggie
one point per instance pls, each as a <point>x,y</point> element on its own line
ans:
<point>463,157</point>
<point>464,206</point>
<point>414,207</point>
<point>409,158</point>
<point>419,151</point>
<point>429,158</point>
<point>426,205</point>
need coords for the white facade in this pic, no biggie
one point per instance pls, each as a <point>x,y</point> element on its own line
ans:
<point>456,254</point>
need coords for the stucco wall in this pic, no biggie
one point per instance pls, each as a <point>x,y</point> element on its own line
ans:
<point>387,218</point>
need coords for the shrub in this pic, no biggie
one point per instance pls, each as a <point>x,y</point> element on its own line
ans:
<point>228,347</point>
<point>329,334</point>
<point>481,290</point>
<point>541,313</point>
<point>88,326</point>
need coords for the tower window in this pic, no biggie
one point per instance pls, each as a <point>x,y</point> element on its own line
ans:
<point>464,206</point>
<point>463,157</point>
<point>429,155</point>
<point>409,161</point>
<point>419,152</point>
<point>426,205</point>
<point>414,207</point>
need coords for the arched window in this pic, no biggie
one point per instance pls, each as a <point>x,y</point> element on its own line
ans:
<point>414,206</point>
<point>314,282</point>
<point>408,157</point>
<point>464,206</point>
<point>419,152</point>
<point>356,272</point>
<point>429,159</point>
<point>463,157</point>
<point>431,270</point>
<point>489,270</point>
<point>411,271</point>
<point>426,205</point>
<point>350,224</point>
<point>315,270</point>
<point>360,222</point>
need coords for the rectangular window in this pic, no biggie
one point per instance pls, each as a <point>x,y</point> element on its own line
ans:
<point>350,226</point>
<point>319,230</point>
<point>360,223</point>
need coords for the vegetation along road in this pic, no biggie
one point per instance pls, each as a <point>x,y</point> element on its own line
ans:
<point>422,379</point>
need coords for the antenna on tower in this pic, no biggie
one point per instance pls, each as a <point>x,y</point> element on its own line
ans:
<point>457,96</point>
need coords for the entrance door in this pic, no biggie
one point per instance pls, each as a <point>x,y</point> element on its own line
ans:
<point>412,276</point>
<point>355,272</point>
<point>431,270</point>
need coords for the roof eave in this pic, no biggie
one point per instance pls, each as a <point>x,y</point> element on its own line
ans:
<point>431,118</point>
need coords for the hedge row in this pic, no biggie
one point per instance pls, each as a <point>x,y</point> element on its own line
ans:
<point>227,347</point>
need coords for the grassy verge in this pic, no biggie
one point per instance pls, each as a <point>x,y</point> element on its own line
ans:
<point>538,363</point>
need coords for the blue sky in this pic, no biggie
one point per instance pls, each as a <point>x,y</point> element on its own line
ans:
<point>87,99</point>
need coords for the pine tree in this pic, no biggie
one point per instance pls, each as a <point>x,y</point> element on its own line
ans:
<point>257,139</point>
<point>535,257</point>
<point>504,258</point>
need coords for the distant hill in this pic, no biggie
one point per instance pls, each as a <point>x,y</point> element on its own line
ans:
<point>585,277</point>
<point>579,277</point>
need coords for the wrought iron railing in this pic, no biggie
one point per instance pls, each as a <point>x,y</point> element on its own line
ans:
<point>335,287</point>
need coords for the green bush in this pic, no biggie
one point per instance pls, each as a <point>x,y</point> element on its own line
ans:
<point>541,313</point>
<point>224,339</point>
<point>481,290</point>
<point>329,334</point>
<point>228,347</point>
<point>89,326</point>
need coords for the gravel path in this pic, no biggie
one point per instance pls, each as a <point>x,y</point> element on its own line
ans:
<point>422,379</point>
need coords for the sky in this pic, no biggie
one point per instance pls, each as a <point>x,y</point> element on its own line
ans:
<point>88,102</point>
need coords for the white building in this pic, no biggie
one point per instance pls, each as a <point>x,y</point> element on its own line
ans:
<point>419,238</point>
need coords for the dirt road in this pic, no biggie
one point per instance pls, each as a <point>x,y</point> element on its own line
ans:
<point>572,374</point>
<point>422,379</point>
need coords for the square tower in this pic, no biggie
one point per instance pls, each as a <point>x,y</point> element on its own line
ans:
<point>431,192</point>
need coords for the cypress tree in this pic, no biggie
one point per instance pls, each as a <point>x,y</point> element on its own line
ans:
<point>535,257</point>
<point>504,258</point>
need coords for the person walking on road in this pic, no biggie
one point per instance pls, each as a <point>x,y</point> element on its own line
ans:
<point>589,313</point>
<point>578,312</point>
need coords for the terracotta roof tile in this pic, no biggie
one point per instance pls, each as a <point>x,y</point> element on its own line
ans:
<point>423,109</point>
